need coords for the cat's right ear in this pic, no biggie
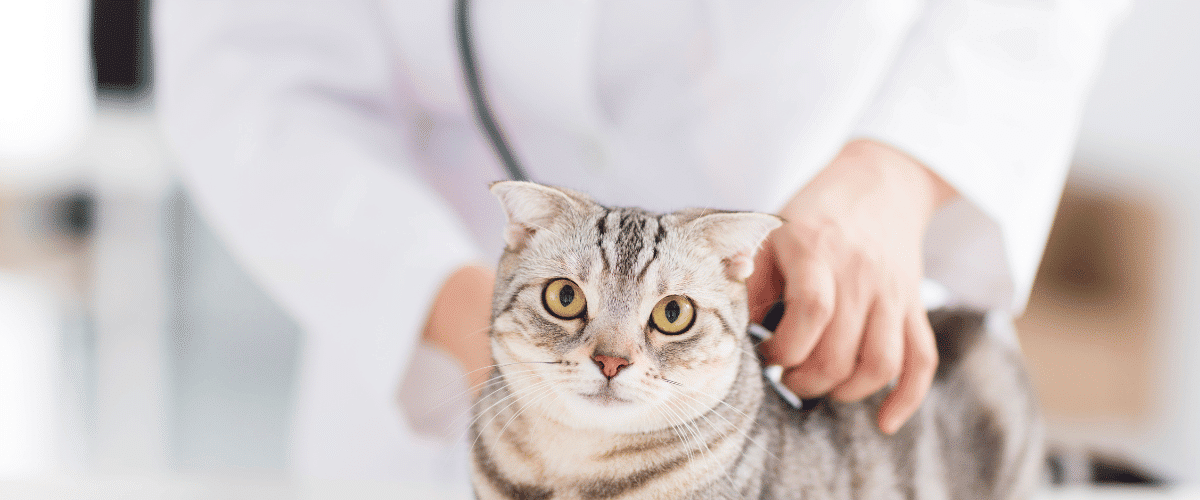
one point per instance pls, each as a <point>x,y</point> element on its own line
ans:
<point>530,207</point>
<point>736,236</point>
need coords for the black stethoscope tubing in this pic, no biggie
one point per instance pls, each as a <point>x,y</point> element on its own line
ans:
<point>483,112</point>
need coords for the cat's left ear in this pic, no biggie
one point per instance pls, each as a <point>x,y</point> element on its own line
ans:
<point>736,236</point>
<point>531,207</point>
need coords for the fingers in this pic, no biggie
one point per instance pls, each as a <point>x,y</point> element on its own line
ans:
<point>810,305</point>
<point>833,359</point>
<point>920,363</point>
<point>846,332</point>
<point>881,354</point>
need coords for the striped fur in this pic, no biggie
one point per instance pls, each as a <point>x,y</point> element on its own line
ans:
<point>690,417</point>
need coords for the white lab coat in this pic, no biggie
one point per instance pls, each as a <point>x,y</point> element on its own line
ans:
<point>332,145</point>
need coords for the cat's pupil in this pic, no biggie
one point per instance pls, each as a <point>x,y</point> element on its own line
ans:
<point>566,296</point>
<point>672,311</point>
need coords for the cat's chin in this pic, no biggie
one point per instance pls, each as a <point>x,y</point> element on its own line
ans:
<point>605,399</point>
<point>609,412</point>
<point>605,411</point>
<point>606,403</point>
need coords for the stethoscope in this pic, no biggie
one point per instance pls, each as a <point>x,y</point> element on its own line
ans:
<point>483,112</point>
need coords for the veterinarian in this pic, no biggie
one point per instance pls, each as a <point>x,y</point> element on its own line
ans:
<point>916,149</point>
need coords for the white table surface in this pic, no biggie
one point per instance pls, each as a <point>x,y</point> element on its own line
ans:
<point>185,487</point>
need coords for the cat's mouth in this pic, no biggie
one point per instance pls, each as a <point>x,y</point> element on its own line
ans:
<point>605,397</point>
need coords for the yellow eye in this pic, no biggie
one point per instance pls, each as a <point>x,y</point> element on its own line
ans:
<point>564,299</point>
<point>673,315</point>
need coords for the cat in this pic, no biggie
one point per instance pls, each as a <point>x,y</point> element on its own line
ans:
<point>624,371</point>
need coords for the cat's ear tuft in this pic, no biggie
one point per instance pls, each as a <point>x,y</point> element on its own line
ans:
<point>736,237</point>
<point>530,207</point>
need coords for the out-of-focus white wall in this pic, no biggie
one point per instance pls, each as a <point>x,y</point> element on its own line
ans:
<point>1141,132</point>
<point>46,90</point>
<point>29,357</point>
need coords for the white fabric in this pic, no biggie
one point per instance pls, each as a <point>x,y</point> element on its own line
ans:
<point>332,144</point>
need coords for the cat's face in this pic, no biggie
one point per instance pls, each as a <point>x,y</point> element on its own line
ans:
<point>619,319</point>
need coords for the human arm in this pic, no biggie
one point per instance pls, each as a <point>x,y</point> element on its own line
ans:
<point>284,116</point>
<point>460,318</point>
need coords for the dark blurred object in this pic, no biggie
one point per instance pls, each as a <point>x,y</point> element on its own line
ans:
<point>1091,467</point>
<point>120,46</point>
<point>773,316</point>
<point>73,213</point>
<point>1112,470</point>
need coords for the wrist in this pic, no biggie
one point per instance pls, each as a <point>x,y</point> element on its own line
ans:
<point>459,319</point>
<point>868,180</point>
<point>923,190</point>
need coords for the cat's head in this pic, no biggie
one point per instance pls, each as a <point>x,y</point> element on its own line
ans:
<point>616,318</point>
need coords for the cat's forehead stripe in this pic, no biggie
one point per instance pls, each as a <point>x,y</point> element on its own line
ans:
<point>642,274</point>
<point>629,243</point>
<point>659,233</point>
<point>601,228</point>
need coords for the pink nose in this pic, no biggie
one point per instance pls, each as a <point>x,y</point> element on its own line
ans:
<point>610,366</point>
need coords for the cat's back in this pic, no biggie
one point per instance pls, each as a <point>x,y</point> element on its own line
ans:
<point>977,435</point>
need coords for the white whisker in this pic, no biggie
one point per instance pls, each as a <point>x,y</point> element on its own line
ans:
<point>515,399</point>
<point>548,392</point>
<point>703,415</point>
<point>487,382</point>
<point>684,434</point>
<point>735,426</point>
<point>503,384</point>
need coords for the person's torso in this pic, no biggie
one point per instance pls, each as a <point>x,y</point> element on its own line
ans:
<point>661,105</point>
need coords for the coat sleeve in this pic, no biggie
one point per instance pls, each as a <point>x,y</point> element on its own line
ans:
<point>284,117</point>
<point>989,94</point>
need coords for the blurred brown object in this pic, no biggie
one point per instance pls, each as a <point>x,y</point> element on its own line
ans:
<point>1089,329</point>
<point>45,237</point>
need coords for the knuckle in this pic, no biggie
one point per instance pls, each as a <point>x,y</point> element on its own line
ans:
<point>831,367</point>
<point>891,314</point>
<point>891,297</point>
<point>812,232</point>
<point>825,235</point>
<point>817,306</point>
<point>882,368</point>
<point>860,263</point>
<point>785,357</point>
<point>865,280</point>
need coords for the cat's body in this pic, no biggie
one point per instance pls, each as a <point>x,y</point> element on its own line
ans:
<point>599,401</point>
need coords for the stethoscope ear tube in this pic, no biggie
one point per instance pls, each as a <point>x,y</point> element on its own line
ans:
<point>483,112</point>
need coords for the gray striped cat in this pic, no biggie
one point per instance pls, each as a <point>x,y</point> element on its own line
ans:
<point>624,370</point>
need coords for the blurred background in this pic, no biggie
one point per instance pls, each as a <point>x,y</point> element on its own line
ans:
<point>117,358</point>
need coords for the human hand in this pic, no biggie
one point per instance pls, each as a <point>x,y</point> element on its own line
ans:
<point>459,320</point>
<point>848,264</point>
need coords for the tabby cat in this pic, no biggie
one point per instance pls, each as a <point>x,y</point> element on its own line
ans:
<point>624,370</point>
